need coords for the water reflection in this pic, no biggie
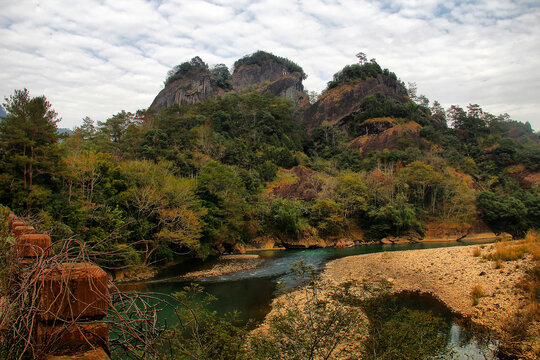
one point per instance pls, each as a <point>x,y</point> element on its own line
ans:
<point>420,324</point>
<point>251,291</point>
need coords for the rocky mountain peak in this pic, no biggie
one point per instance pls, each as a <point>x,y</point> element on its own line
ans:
<point>186,84</point>
<point>194,81</point>
<point>341,102</point>
<point>263,72</point>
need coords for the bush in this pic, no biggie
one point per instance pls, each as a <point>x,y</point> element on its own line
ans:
<point>409,334</point>
<point>204,334</point>
<point>508,251</point>
<point>310,323</point>
<point>503,213</point>
<point>400,328</point>
<point>394,219</point>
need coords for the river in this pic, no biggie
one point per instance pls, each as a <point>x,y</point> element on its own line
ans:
<point>251,291</point>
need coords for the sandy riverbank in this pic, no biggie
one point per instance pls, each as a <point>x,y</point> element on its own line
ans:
<point>449,274</point>
<point>229,265</point>
<point>226,264</point>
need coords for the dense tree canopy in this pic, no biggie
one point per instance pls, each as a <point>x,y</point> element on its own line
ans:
<point>357,72</point>
<point>30,156</point>
<point>260,57</point>
<point>189,68</point>
<point>209,177</point>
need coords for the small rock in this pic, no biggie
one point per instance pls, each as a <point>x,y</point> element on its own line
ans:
<point>482,273</point>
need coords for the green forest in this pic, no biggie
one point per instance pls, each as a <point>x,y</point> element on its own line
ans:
<point>212,177</point>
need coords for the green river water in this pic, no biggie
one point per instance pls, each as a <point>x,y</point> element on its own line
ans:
<point>251,291</point>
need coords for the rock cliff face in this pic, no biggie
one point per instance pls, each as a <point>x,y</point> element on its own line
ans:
<point>270,76</point>
<point>343,101</point>
<point>188,90</point>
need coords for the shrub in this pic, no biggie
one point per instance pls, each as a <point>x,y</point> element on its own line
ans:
<point>310,324</point>
<point>204,334</point>
<point>327,216</point>
<point>400,329</point>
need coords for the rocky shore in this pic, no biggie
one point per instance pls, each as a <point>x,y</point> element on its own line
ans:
<point>449,274</point>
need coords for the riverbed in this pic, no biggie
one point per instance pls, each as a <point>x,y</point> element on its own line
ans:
<point>251,291</point>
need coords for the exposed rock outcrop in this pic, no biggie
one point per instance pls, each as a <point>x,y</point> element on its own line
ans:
<point>307,238</point>
<point>270,76</point>
<point>194,82</point>
<point>338,103</point>
<point>188,90</point>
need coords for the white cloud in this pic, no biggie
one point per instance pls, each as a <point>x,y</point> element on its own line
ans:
<point>95,58</point>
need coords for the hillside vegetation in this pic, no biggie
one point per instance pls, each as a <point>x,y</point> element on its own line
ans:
<point>217,175</point>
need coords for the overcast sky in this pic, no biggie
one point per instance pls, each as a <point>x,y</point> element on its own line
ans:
<point>97,57</point>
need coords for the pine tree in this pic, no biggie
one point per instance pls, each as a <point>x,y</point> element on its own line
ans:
<point>29,148</point>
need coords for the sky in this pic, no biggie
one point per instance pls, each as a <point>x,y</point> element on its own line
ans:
<point>97,57</point>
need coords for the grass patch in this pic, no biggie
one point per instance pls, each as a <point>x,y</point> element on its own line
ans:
<point>531,285</point>
<point>477,292</point>
<point>519,327</point>
<point>508,252</point>
<point>515,250</point>
<point>476,251</point>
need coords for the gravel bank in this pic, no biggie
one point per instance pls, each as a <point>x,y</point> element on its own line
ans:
<point>449,274</point>
<point>224,267</point>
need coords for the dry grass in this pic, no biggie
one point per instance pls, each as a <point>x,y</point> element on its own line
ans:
<point>533,239</point>
<point>477,292</point>
<point>515,250</point>
<point>476,251</point>
<point>531,285</point>
<point>505,251</point>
